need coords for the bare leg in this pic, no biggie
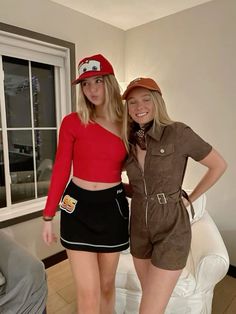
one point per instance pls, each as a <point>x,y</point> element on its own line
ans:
<point>141,267</point>
<point>85,271</point>
<point>107,267</point>
<point>157,285</point>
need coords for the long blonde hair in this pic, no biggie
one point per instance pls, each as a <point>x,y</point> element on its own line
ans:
<point>161,117</point>
<point>86,110</point>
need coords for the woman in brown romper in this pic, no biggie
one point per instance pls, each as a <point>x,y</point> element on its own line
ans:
<point>160,227</point>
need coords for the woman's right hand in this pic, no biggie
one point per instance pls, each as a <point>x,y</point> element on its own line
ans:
<point>48,235</point>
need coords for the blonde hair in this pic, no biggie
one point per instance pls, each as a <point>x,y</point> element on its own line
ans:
<point>161,117</point>
<point>86,109</point>
<point>113,101</point>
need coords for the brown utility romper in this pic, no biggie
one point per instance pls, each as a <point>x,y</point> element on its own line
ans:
<point>160,226</point>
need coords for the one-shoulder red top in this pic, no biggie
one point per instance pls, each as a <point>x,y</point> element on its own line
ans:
<point>97,155</point>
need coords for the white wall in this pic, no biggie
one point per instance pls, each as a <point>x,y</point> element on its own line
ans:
<point>191,54</point>
<point>29,234</point>
<point>90,35</point>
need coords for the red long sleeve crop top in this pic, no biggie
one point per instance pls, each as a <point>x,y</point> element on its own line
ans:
<point>97,155</point>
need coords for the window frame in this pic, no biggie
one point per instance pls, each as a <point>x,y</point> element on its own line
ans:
<point>64,54</point>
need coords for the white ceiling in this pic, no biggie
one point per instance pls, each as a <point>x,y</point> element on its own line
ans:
<point>126,14</point>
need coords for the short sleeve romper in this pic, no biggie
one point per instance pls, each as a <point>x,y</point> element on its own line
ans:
<point>160,226</point>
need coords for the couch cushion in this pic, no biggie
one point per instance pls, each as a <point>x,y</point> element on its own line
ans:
<point>187,282</point>
<point>126,277</point>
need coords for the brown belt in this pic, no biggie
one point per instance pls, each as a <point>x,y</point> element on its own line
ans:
<point>164,198</point>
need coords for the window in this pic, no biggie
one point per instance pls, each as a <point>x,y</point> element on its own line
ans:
<point>34,96</point>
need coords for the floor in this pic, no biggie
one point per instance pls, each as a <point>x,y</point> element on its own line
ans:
<point>61,298</point>
<point>61,291</point>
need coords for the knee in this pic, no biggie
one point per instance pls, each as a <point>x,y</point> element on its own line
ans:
<point>88,299</point>
<point>108,286</point>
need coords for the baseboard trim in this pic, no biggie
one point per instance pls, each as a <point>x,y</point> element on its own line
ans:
<point>54,259</point>
<point>232,271</point>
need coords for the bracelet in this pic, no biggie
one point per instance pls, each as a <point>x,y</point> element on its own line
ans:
<point>47,218</point>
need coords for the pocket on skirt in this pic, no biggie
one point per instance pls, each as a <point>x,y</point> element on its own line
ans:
<point>123,207</point>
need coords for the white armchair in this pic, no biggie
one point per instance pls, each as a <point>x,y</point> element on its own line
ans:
<point>207,264</point>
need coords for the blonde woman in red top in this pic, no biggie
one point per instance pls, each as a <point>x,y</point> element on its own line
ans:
<point>94,209</point>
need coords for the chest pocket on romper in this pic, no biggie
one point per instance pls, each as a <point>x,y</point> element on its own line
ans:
<point>162,157</point>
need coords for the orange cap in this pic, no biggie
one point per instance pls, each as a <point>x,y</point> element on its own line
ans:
<point>142,82</point>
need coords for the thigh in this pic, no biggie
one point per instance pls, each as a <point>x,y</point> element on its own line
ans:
<point>107,266</point>
<point>157,290</point>
<point>141,267</point>
<point>85,270</point>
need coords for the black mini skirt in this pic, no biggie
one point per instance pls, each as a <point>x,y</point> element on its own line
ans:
<point>94,221</point>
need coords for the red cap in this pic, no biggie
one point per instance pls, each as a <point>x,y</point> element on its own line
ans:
<point>142,82</point>
<point>93,66</point>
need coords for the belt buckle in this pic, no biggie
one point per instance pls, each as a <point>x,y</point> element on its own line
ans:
<point>161,198</point>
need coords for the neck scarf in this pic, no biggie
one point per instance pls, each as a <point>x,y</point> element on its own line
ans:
<point>138,134</point>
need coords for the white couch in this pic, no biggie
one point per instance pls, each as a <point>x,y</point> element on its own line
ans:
<point>207,264</point>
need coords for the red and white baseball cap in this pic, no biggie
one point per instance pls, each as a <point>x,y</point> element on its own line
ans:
<point>93,66</point>
<point>142,82</point>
